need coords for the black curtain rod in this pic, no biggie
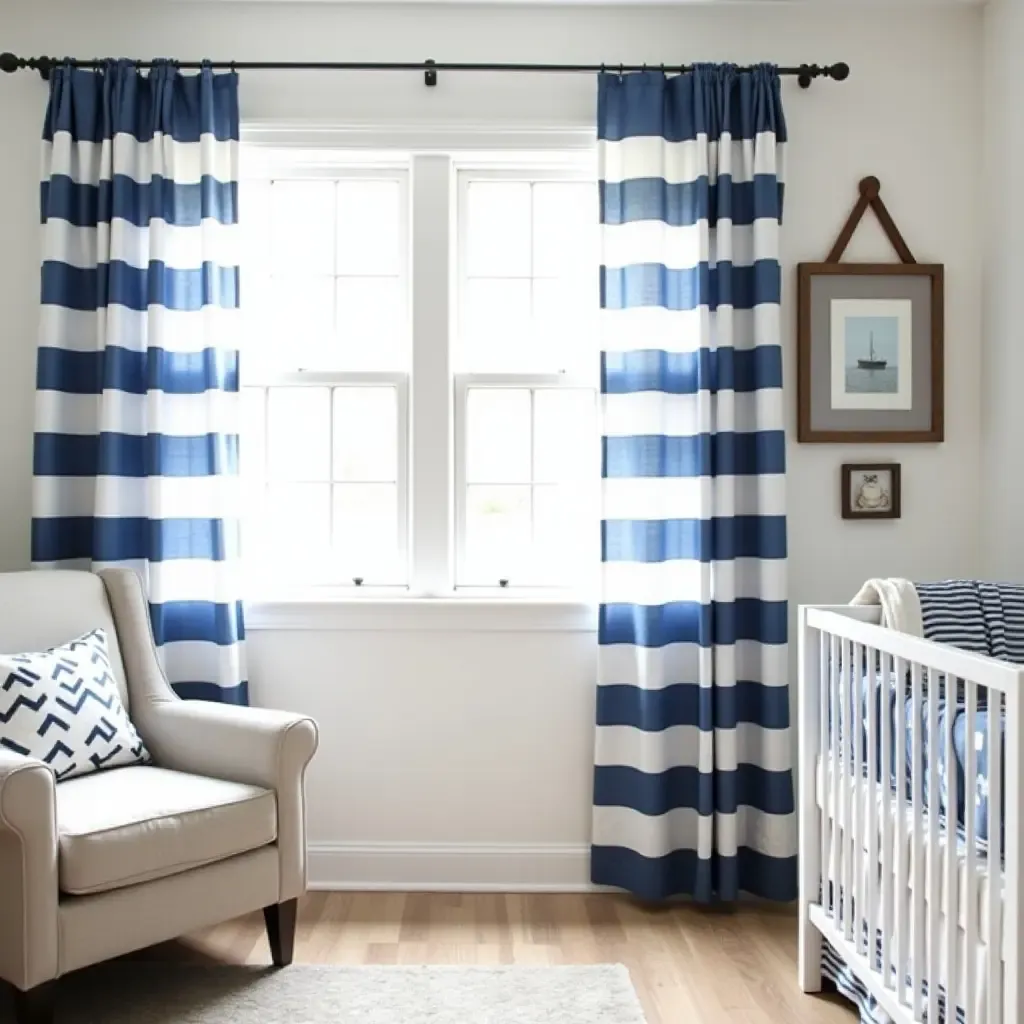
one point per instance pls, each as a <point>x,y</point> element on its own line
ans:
<point>804,73</point>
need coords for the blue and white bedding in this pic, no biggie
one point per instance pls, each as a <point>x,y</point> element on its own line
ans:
<point>986,618</point>
<point>894,706</point>
<point>973,615</point>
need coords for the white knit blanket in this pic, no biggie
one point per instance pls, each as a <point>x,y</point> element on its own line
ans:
<point>901,607</point>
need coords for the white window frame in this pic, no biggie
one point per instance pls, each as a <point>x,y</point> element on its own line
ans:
<point>464,380</point>
<point>534,382</point>
<point>277,165</point>
<point>430,391</point>
<point>354,378</point>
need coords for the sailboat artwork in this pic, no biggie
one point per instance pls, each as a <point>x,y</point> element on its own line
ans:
<point>872,362</point>
<point>871,354</point>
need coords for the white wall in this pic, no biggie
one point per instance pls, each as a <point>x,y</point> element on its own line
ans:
<point>1003,411</point>
<point>482,738</point>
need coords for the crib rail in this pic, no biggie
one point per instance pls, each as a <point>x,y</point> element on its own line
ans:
<point>911,819</point>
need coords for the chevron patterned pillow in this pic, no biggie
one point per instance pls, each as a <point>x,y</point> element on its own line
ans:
<point>61,706</point>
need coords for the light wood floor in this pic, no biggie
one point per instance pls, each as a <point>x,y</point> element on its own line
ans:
<point>689,966</point>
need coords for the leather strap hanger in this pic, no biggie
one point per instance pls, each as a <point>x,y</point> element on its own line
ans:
<point>869,196</point>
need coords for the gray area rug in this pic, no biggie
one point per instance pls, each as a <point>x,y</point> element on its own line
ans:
<point>151,993</point>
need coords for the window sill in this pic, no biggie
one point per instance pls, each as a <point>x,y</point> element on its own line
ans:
<point>423,614</point>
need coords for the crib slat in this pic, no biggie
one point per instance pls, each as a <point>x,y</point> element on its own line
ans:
<point>952,859</point>
<point>889,692</point>
<point>901,851</point>
<point>833,766</point>
<point>871,783</point>
<point>994,935</point>
<point>824,763</point>
<point>918,881</point>
<point>970,1000</point>
<point>933,852</point>
<point>847,734</point>
<point>857,831</point>
<point>1011,730</point>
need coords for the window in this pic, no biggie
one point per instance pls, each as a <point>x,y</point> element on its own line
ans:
<point>526,440</point>
<point>419,372</point>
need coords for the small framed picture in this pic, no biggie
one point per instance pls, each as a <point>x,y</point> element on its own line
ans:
<point>870,490</point>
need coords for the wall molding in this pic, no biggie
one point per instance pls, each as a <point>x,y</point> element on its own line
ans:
<point>424,137</point>
<point>450,867</point>
<point>457,614</point>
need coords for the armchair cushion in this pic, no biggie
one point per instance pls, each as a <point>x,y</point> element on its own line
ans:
<point>62,707</point>
<point>140,823</point>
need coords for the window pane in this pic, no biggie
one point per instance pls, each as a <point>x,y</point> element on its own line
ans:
<point>255,546</point>
<point>566,534</point>
<point>566,305</point>
<point>565,441</point>
<point>254,223</point>
<point>564,334</point>
<point>497,325</point>
<point>304,315</point>
<point>366,532</point>
<point>498,435</point>
<point>498,229</point>
<point>252,443</point>
<point>258,313</point>
<point>369,236</point>
<point>565,228</point>
<point>372,321</point>
<point>303,226</point>
<point>299,433</point>
<point>565,322</point>
<point>297,528</point>
<point>497,533</point>
<point>365,433</point>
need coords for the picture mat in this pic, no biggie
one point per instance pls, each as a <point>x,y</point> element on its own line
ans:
<point>824,289</point>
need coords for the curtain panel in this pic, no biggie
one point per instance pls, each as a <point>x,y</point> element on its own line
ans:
<point>693,790</point>
<point>136,444</point>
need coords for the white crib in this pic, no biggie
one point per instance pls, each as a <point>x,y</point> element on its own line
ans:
<point>923,913</point>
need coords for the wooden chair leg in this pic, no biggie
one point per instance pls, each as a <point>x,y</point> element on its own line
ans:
<point>36,1006</point>
<point>280,921</point>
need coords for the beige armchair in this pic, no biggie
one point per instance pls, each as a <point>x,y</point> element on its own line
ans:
<point>102,864</point>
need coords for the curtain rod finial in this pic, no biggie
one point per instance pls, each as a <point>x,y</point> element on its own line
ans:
<point>839,72</point>
<point>9,63</point>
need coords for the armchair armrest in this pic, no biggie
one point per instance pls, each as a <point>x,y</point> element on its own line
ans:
<point>252,745</point>
<point>28,871</point>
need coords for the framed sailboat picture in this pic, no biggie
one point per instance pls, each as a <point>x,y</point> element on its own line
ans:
<point>869,352</point>
<point>870,341</point>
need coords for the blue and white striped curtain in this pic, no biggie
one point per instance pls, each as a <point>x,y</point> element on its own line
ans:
<point>693,788</point>
<point>136,449</point>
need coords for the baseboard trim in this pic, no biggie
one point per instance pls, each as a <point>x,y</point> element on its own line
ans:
<point>450,867</point>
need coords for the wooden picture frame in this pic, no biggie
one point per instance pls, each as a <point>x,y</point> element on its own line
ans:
<point>847,392</point>
<point>883,500</point>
